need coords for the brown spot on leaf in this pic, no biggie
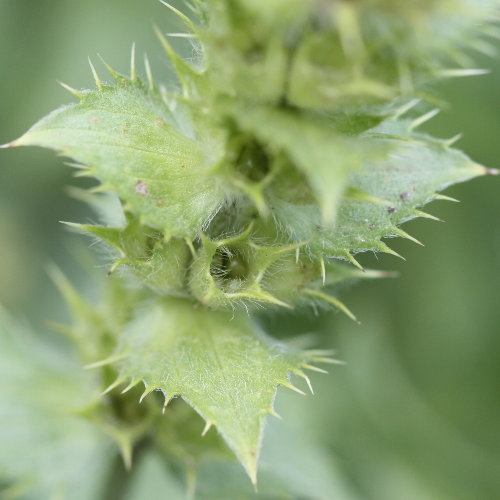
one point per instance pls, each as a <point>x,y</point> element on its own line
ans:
<point>405,196</point>
<point>372,226</point>
<point>142,188</point>
<point>391,210</point>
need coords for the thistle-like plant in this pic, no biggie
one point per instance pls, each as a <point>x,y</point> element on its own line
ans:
<point>288,143</point>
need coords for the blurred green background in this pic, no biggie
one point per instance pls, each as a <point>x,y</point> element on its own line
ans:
<point>415,414</point>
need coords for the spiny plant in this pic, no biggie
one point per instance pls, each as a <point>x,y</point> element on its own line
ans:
<point>287,144</point>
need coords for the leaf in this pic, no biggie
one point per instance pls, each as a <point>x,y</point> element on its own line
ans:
<point>383,194</point>
<point>321,154</point>
<point>130,140</point>
<point>47,451</point>
<point>160,264</point>
<point>217,362</point>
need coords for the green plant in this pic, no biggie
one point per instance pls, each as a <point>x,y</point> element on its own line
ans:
<point>288,146</point>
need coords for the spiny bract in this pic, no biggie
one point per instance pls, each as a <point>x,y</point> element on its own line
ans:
<point>288,143</point>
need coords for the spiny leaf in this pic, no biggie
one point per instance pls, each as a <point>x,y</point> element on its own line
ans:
<point>137,148</point>
<point>417,168</point>
<point>221,365</point>
<point>160,263</point>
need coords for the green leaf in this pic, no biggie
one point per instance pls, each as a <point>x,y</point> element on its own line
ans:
<point>161,263</point>
<point>134,144</point>
<point>386,192</point>
<point>324,156</point>
<point>47,450</point>
<point>218,362</point>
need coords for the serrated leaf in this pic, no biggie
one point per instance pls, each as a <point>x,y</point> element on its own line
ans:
<point>393,189</point>
<point>219,363</point>
<point>46,449</point>
<point>161,264</point>
<point>134,144</point>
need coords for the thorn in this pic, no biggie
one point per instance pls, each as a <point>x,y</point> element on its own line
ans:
<point>7,145</point>
<point>126,453</point>
<point>105,362</point>
<point>116,76</point>
<point>75,226</point>
<point>149,73</point>
<point>147,392</point>
<point>330,361</point>
<point>274,413</point>
<point>97,80</point>
<point>404,234</point>
<point>180,14</point>
<point>460,72</point>
<point>207,427</point>
<point>182,35</point>
<point>353,261</point>
<point>443,197</point>
<point>384,248</point>
<point>264,296</point>
<point>73,91</point>
<point>190,245</point>
<point>194,8</point>
<point>450,142</point>
<point>424,118</point>
<point>133,71</point>
<point>297,255</point>
<point>132,384</point>
<point>405,108</point>
<point>183,69</point>
<point>300,373</point>
<point>290,386</point>
<point>116,383</point>
<point>323,270</point>
<point>332,300</point>
<point>425,215</point>
<point>237,237</point>
<point>313,368</point>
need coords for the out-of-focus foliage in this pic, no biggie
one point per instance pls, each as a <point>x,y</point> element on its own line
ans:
<point>415,412</point>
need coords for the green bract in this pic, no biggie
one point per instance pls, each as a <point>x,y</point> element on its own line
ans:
<point>287,145</point>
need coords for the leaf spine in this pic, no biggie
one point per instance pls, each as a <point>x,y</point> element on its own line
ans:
<point>116,383</point>
<point>290,386</point>
<point>133,70</point>
<point>73,91</point>
<point>96,77</point>
<point>332,300</point>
